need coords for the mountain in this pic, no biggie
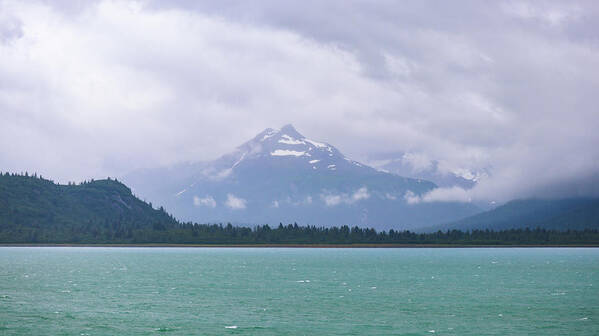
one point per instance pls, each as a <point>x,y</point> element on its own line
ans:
<point>282,176</point>
<point>561,214</point>
<point>33,209</point>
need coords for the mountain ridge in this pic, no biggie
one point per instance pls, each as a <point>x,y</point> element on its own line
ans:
<point>280,175</point>
<point>551,214</point>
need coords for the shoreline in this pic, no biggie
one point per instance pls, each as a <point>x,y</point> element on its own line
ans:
<point>157,245</point>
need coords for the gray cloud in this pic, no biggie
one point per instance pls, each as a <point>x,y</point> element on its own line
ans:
<point>100,88</point>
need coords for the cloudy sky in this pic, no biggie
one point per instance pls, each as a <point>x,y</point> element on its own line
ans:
<point>95,89</point>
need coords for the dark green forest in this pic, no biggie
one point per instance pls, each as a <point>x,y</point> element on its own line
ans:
<point>34,210</point>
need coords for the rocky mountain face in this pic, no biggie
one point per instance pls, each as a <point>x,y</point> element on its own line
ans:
<point>282,176</point>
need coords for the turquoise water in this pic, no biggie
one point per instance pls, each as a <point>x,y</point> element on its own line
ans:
<point>285,291</point>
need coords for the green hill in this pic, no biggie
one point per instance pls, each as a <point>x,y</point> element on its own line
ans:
<point>562,214</point>
<point>34,209</point>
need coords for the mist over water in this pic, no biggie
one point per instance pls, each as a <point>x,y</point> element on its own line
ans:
<point>285,291</point>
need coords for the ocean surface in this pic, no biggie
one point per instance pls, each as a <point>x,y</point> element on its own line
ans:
<point>288,291</point>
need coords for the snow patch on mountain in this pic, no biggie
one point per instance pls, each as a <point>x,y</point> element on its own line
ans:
<point>286,139</point>
<point>268,133</point>
<point>240,159</point>
<point>285,152</point>
<point>316,144</point>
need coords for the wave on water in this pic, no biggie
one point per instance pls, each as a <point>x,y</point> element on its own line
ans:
<point>231,327</point>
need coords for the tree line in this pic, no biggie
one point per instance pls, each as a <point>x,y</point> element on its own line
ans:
<point>120,232</point>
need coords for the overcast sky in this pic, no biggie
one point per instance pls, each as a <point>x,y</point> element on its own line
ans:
<point>95,89</point>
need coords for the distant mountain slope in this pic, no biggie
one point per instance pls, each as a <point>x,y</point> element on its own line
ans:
<point>29,206</point>
<point>563,214</point>
<point>282,176</point>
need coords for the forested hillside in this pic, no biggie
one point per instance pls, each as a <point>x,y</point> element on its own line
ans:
<point>33,209</point>
<point>560,214</point>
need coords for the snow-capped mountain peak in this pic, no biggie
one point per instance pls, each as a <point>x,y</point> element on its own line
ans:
<point>281,175</point>
<point>288,137</point>
<point>287,145</point>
